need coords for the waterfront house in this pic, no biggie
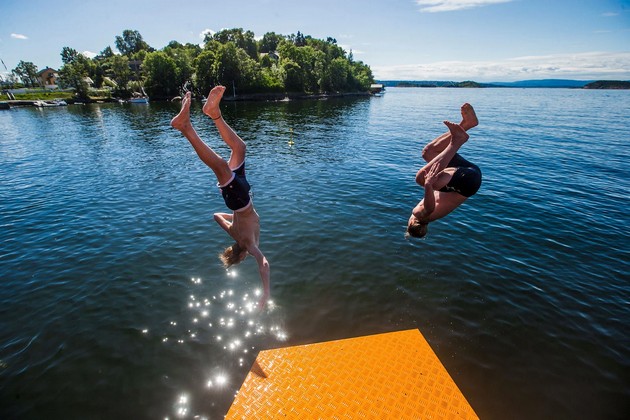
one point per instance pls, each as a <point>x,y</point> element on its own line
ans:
<point>48,78</point>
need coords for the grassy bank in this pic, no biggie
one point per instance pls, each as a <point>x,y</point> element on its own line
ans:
<point>44,95</point>
<point>49,95</point>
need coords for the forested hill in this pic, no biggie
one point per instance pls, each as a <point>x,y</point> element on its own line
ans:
<point>608,84</point>
<point>543,83</point>
<point>232,57</point>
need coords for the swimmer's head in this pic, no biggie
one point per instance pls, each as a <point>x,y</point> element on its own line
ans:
<point>233,255</point>
<point>415,228</point>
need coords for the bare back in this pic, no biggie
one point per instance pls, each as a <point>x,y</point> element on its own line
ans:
<point>445,203</point>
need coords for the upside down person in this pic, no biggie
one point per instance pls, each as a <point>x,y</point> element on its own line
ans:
<point>243,224</point>
<point>448,179</point>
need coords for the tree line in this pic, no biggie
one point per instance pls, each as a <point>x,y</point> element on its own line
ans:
<point>232,57</point>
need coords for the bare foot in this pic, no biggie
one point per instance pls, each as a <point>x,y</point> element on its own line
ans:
<point>469,118</point>
<point>182,120</point>
<point>211,108</point>
<point>458,134</point>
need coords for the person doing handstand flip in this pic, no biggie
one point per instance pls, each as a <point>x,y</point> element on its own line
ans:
<point>448,179</point>
<point>243,225</point>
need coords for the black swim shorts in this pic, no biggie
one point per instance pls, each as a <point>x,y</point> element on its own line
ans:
<point>467,178</point>
<point>236,192</point>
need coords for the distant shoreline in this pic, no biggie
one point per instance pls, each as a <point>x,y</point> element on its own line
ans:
<point>297,96</point>
<point>543,83</point>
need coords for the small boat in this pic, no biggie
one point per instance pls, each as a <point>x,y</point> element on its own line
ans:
<point>139,100</point>
<point>43,104</point>
<point>377,89</point>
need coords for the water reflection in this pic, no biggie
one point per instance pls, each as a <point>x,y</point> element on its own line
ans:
<point>230,326</point>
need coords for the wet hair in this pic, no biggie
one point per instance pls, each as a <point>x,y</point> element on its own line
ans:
<point>417,230</point>
<point>232,255</point>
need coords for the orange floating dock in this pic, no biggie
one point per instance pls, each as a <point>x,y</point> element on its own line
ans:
<point>385,376</point>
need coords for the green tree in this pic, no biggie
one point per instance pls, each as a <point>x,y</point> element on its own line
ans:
<point>105,54</point>
<point>184,57</point>
<point>69,55</point>
<point>338,74</point>
<point>272,78</point>
<point>310,66</point>
<point>269,42</point>
<point>161,72</point>
<point>74,76</point>
<point>241,39</point>
<point>131,42</point>
<point>292,75</point>
<point>299,40</point>
<point>117,69</point>
<point>27,72</point>
<point>205,69</point>
<point>226,64</point>
<point>249,75</point>
<point>361,75</point>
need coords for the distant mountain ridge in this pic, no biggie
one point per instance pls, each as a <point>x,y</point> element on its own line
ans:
<point>546,83</point>
<point>543,83</point>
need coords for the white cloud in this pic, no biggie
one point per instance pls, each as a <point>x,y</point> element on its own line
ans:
<point>89,54</point>
<point>205,32</point>
<point>434,6</point>
<point>610,14</point>
<point>582,66</point>
<point>19,36</point>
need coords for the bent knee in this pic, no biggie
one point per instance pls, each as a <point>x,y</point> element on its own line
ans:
<point>420,178</point>
<point>425,153</point>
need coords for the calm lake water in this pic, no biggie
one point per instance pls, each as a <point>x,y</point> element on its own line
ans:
<point>113,302</point>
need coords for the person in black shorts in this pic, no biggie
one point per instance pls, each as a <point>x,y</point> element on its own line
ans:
<point>448,179</point>
<point>243,224</point>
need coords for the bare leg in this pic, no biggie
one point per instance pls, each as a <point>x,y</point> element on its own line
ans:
<point>229,136</point>
<point>457,137</point>
<point>435,147</point>
<point>205,153</point>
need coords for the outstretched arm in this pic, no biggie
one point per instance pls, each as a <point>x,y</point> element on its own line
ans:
<point>224,220</point>
<point>265,273</point>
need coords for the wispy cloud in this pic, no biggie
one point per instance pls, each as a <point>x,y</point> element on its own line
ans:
<point>583,66</point>
<point>19,36</point>
<point>89,54</point>
<point>205,32</point>
<point>434,6</point>
<point>202,36</point>
<point>610,14</point>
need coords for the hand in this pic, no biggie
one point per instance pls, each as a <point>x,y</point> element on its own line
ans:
<point>432,175</point>
<point>262,303</point>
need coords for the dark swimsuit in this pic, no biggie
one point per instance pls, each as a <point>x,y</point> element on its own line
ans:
<point>236,192</point>
<point>467,178</point>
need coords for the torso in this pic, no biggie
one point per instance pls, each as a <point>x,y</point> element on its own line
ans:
<point>245,227</point>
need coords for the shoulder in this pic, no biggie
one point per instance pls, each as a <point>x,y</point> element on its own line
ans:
<point>420,213</point>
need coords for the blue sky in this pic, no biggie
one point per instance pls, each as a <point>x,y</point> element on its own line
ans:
<point>481,40</point>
